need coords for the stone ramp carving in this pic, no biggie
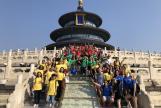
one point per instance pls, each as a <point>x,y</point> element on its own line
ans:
<point>80,94</point>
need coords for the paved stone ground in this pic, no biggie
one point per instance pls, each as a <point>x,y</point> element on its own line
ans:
<point>79,94</point>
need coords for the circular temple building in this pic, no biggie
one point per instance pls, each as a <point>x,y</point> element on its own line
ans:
<point>80,28</point>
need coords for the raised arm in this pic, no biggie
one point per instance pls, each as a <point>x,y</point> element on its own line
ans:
<point>96,84</point>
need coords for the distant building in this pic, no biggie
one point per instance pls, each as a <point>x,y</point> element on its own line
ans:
<point>80,28</point>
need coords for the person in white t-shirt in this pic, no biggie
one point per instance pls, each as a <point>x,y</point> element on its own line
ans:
<point>109,60</point>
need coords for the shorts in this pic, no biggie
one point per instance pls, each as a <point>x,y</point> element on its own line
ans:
<point>118,96</point>
<point>106,98</point>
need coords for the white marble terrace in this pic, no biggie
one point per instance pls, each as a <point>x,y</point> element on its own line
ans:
<point>16,68</point>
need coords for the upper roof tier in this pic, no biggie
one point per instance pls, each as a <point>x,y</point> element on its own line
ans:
<point>105,35</point>
<point>91,17</point>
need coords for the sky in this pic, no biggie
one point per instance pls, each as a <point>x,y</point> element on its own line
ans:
<point>133,24</point>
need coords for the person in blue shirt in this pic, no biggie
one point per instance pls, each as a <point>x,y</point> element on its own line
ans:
<point>118,88</point>
<point>108,96</point>
<point>130,87</point>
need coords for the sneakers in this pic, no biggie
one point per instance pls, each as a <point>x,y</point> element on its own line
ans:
<point>36,105</point>
<point>50,105</point>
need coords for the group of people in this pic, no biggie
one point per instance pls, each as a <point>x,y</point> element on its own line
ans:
<point>117,84</point>
<point>114,80</point>
<point>49,81</point>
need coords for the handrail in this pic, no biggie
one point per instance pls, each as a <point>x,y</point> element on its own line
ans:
<point>16,99</point>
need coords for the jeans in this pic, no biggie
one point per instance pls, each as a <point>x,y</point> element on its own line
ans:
<point>50,99</point>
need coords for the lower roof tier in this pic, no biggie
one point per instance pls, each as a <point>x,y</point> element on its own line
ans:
<point>80,42</point>
<point>105,35</point>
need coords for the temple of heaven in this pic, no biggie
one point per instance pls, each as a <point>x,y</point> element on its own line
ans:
<point>80,28</point>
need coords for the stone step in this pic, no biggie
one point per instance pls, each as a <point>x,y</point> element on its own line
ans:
<point>79,94</point>
<point>4,98</point>
<point>3,105</point>
<point>6,89</point>
<point>157,106</point>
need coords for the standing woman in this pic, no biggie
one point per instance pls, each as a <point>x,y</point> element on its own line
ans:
<point>60,78</point>
<point>37,87</point>
<point>52,89</point>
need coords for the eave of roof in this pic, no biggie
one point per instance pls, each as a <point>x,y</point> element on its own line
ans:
<point>80,30</point>
<point>88,16</point>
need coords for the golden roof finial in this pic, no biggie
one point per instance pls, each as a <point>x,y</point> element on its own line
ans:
<point>80,3</point>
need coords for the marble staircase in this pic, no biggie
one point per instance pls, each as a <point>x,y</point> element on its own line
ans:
<point>80,94</point>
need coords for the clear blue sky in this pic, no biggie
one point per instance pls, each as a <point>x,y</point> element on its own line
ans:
<point>132,23</point>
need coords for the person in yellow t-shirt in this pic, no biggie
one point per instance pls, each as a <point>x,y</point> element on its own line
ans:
<point>43,64</point>
<point>107,76</point>
<point>49,64</point>
<point>61,64</point>
<point>40,69</point>
<point>60,78</point>
<point>52,90</point>
<point>37,88</point>
<point>48,75</point>
<point>65,61</point>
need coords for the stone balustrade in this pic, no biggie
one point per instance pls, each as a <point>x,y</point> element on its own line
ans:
<point>148,62</point>
<point>16,99</point>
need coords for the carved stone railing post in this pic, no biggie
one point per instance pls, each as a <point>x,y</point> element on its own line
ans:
<point>18,51</point>
<point>9,64</point>
<point>3,53</point>
<point>35,51</point>
<point>15,99</point>
<point>20,79</point>
<point>125,52</point>
<point>119,54</point>
<point>32,69</point>
<point>150,69</point>
<point>105,50</point>
<point>135,57</point>
<point>54,49</point>
<point>141,80</point>
<point>115,52</point>
<point>149,55</point>
<point>45,51</point>
<point>25,55</point>
<point>41,56</point>
<point>141,53</point>
<point>150,65</point>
